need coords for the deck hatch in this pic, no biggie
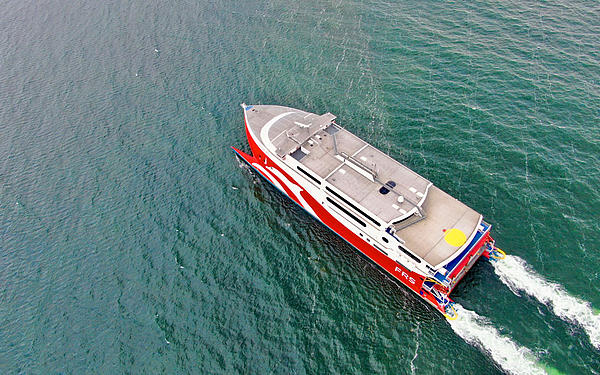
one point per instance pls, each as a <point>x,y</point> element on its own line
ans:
<point>331,129</point>
<point>298,154</point>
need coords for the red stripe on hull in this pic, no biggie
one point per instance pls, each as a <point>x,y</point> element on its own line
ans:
<point>264,161</point>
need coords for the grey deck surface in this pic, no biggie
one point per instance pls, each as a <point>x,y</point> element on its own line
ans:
<point>359,170</point>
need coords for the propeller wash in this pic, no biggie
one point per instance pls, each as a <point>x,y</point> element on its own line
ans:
<point>518,276</point>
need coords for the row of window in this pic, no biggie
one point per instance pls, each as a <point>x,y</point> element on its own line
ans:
<point>338,196</point>
<point>353,206</point>
<point>346,212</point>
<point>351,215</point>
<point>309,175</point>
<point>409,254</point>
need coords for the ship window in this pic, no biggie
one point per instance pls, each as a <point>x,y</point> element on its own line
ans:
<point>334,203</point>
<point>309,175</point>
<point>410,255</point>
<point>353,206</point>
<point>383,190</point>
<point>385,240</point>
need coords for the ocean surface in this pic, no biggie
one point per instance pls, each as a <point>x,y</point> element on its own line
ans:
<point>133,242</point>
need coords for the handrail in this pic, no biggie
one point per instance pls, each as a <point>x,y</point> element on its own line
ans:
<point>358,163</point>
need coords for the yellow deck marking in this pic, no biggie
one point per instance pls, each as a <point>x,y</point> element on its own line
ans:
<point>455,237</point>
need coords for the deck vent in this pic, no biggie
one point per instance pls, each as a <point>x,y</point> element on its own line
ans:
<point>298,154</point>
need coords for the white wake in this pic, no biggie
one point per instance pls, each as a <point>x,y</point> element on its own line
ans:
<point>513,358</point>
<point>517,275</point>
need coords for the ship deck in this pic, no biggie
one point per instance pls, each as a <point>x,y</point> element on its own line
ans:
<point>389,192</point>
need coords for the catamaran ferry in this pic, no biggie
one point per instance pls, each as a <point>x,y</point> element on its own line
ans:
<point>417,233</point>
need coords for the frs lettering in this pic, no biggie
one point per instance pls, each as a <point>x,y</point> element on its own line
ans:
<point>405,275</point>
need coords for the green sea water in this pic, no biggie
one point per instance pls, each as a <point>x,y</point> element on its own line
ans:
<point>132,241</point>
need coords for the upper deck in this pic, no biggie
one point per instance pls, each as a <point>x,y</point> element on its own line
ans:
<point>389,194</point>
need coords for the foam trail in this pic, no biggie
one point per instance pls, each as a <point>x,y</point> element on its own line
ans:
<point>518,275</point>
<point>513,358</point>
